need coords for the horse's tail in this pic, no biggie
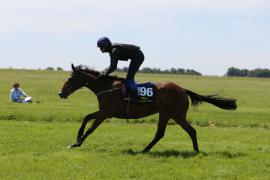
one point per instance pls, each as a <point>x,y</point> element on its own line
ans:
<point>223,103</point>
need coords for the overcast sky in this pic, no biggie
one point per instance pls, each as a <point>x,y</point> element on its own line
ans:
<point>208,36</point>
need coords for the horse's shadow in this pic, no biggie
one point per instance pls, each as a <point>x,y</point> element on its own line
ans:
<point>185,154</point>
<point>166,153</point>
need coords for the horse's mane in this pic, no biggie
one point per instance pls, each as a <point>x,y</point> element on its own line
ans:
<point>88,70</point>
<point>95,73</point>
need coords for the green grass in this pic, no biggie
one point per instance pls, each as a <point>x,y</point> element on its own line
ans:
<point>37,150</point>
<point>252,95</point>
<point>34,137</point>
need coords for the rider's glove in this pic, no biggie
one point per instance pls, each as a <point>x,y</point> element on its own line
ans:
<point>101,75</point>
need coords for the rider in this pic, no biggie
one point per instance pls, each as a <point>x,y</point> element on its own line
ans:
<point>123,52</point>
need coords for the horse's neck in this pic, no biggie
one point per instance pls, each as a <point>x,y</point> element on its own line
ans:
<point>95,89</point>
<point>100,86</point>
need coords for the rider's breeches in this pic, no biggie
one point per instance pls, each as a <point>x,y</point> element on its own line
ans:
<point>135,64</point>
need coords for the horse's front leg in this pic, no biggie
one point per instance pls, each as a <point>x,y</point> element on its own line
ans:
<point>85,121</point>
<point>99,119</point>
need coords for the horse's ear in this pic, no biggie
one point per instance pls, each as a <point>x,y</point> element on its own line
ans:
<point>73,67</point>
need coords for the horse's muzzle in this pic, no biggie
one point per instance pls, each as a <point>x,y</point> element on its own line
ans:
<point>62,95</point>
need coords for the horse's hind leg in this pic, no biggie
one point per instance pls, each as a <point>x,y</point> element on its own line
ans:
<point>180,118</point>
<point>162,123</point>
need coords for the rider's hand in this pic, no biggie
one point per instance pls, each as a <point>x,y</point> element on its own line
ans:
<point>101,75</point>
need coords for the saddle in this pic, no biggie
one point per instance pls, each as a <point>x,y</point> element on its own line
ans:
<point>146,92</point>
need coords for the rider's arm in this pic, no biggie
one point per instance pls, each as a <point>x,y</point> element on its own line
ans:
<point>114,61</point>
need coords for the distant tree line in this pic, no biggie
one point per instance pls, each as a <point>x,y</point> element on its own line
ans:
<point>149,70</point>
<point>167,71</point>
<point>52,69</point>
<point>232,71</point>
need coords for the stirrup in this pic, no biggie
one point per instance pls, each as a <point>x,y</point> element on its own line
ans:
<point>126,99</point>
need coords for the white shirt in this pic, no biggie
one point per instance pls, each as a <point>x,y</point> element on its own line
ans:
<point>15,94</point>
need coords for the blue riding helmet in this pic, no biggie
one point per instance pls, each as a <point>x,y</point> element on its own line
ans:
<point>103,41</point>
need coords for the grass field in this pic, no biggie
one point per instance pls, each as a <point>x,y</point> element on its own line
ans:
<point>233,144</point>
<point>37,150</point>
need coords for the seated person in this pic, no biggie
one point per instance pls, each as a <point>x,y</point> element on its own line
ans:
<point>16,92</point>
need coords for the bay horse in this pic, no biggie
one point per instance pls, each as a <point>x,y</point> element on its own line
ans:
<point>171,102</point>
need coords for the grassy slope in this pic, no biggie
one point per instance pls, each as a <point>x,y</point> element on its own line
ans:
<point>252,95</point>
<point>36,150</point>
<point>34,136</point>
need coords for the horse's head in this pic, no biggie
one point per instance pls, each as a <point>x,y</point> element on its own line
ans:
<point>76,81</point>
<point>85,77</point>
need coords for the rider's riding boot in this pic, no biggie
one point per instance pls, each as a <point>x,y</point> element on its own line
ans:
<point>134,96</point>
<point>132,90</point>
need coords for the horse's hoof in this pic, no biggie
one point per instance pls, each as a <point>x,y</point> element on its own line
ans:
<point>70,146</point>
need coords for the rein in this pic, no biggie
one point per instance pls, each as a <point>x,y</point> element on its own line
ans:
<point>106,91</point>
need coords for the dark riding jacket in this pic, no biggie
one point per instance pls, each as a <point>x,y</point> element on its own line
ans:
<point>124,52</point>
